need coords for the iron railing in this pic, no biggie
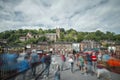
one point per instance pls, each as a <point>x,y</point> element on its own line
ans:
<point>24,75</point>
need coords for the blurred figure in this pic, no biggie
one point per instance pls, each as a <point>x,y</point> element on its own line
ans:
<point>47,65</point>
<point>105,57</point>
<point>24,65</point>
<point>94,61</point>
<point>81,63</point>
<point>57,72</point>
<point>89,62</point>
<point>1,63</point>
<point>9,62</point>
<point>85,67</point>
<point>71,61</point>
<point>63,59</point>
<point>53,63</point>
<point>42,60</point>
<point>34,59</point>
<point>99,56</point>
<point>101,70</point>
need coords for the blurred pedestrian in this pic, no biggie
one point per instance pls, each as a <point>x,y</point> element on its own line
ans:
<point>57,73</point>
<point>23,66</point>
<point>53,63</point>
<point>89,63</point>
<point>71,61</point>
<point>34,60</point>
<point>85,67</point>
<point>47,65</point>
<point>81,62</point>
<point>101,70</point>
<point>42,60</point>
<point>105,57</point>
<point>63,59</point>
<point>99,56</point>
<point>94,62</point>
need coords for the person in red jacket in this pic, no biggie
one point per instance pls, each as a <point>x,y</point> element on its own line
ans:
<point>94,61</point>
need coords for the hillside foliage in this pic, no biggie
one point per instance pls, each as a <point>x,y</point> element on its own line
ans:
<point>70,35</point>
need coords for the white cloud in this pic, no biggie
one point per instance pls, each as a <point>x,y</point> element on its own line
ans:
<point>82,15</point>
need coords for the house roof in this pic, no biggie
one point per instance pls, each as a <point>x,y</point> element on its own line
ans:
<point>3,40</point>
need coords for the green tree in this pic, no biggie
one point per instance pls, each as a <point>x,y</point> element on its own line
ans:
<point>110,35</point>
<point>80,37</point>
<point>63,30</point>
<point>43,38</point>
<point>40,31</point>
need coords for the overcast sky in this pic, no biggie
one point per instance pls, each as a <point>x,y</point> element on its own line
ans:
<point>81,15</point>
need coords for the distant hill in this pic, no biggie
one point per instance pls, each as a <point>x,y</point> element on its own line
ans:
<point>71,35</point>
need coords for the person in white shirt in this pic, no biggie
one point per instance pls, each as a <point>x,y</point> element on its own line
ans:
<point>71,61</point>
<point>53,63</point>
<point>99,56</point>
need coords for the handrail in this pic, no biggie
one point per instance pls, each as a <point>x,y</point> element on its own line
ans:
<point>36,78</point>
<point>14,75</point>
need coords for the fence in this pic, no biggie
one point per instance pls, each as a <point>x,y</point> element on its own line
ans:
<point>24,75</point>
<point>12,68</point>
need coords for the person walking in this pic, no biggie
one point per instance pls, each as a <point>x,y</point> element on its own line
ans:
<point>23,66</point>
<point>81,62</point>
<point>99,56</point>
<point>34,59</point>
<point>57,72</point>
<point>94,62</point>
<point>42,60</point>
<point>85,67</point>
<point>71,61</point>
<point>89,63</point>
<point>63,60</point>
<point>53,63</point>
<point>47,65</point>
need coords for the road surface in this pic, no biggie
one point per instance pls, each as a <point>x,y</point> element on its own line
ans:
<point>66,74</point>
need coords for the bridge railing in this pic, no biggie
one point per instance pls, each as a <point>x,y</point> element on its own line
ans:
<point>24,75</point>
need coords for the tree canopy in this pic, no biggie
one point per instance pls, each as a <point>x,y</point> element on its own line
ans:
<point>70,35</point>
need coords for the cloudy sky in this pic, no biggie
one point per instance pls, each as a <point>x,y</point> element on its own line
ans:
<point>81,15</point>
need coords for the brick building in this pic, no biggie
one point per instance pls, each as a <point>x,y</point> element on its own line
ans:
<point>89,44</point>
<point>50,36</point>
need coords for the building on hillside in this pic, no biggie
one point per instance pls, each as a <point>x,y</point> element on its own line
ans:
<point>117,50</point>
<point>22,38</point>
<point>50,36</point>
<point>37,36</point>
<point>53,36</point>
<point>3,40</point>
<point>43,46</point>
<point>29,36</point>
<point>76,47</point>
<point>63,47</point>
<point>57,47</point>
<point>105,42</point>
<point>58,32</point>
<point>89,44</point>
<point>3,45</point>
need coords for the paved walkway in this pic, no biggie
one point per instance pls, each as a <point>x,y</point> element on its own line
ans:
<point>77,75</point>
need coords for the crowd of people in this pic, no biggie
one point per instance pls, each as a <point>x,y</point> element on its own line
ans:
<point>21,62</point>
<point>85,61</point>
